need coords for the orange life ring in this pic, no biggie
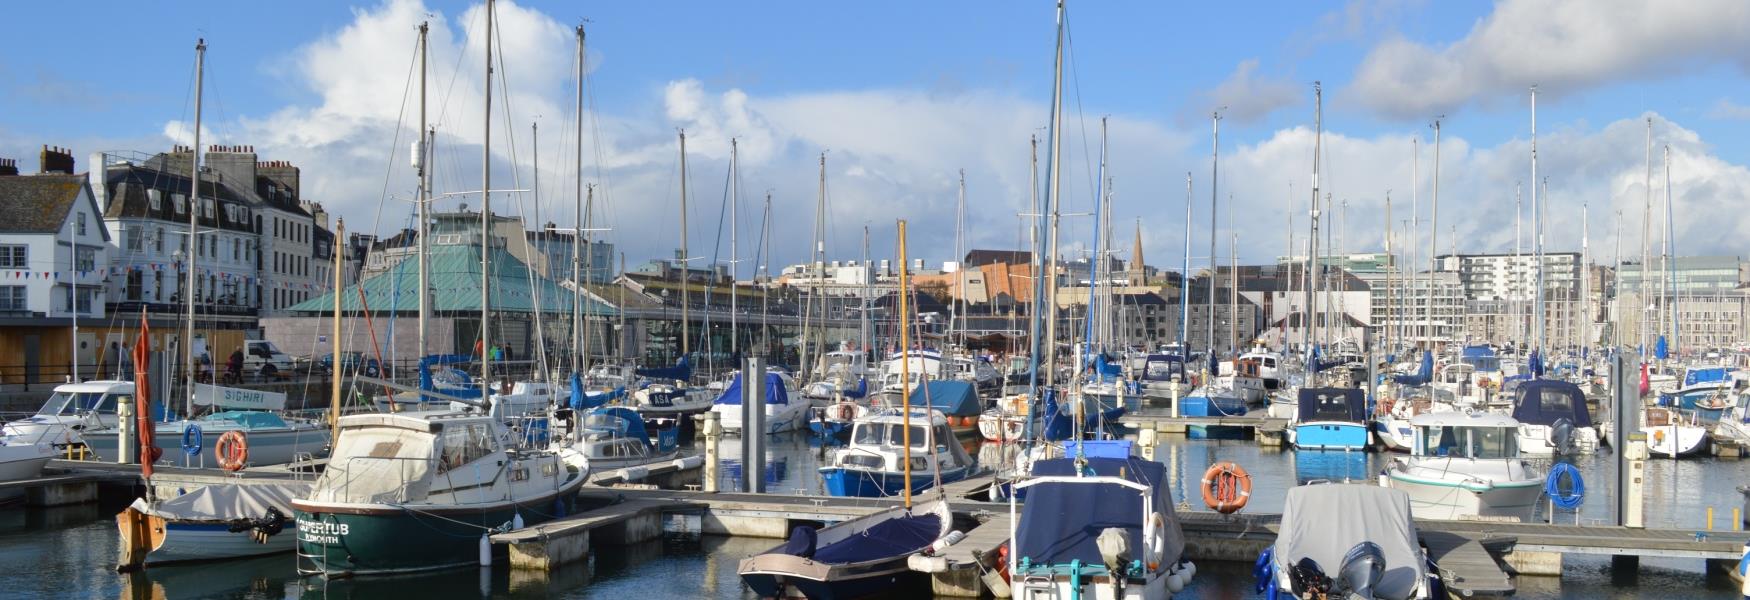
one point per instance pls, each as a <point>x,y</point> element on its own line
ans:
<point>847,412</point>
<point>1226,487</point>
<point>232,450</point>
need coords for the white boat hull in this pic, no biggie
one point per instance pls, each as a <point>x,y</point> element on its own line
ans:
<point>1534,440</point>
<point>1001,428</point>
<point>1452,500</point>
<point>22,462</point>
<point>779,417</point>
<point>1059,588</point>
<point>1671,442</point>
<point>213,541</point>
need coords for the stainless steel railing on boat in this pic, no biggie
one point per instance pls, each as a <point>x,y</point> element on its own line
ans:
<point>401,483</point>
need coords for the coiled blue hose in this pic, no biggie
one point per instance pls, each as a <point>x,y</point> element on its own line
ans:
<point>191,439</point>
<point>1552,486</point>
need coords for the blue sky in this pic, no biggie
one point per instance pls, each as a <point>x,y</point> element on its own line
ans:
<point>940,87</point>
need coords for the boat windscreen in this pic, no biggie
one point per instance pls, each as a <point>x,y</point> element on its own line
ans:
<point>377,464</point>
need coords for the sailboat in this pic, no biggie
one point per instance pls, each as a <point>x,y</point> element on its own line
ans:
<point>866,555</point>
<point>420,491</point>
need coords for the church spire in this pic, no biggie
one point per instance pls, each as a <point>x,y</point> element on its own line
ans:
<point>1138,273</point>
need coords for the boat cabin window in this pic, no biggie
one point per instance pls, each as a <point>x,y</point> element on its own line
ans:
<point>1269,363</point>
<point>896,436</point>
<point>889,434</point>
<point>463,444</point>
<point>1483,363</point>
<point>1472,442</point>
<point>1556,401</point>
<point>1162,370</point>
<point>72,403</point>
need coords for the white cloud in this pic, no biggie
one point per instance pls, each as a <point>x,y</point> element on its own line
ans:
<point>1562,45</point>
<point>1726,109</point>
<point>1249,96</point>
<point>894,153</point>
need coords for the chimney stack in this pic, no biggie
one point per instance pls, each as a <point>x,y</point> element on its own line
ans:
<point>56,159</point>
<point>8,166</point>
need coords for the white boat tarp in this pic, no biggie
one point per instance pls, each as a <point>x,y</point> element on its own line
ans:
<point>1324,521</point>
<point>227,502</point>
<point>229,397</point>
<point>377,464</point>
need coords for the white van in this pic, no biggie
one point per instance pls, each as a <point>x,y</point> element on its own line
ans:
<point>261,357</point>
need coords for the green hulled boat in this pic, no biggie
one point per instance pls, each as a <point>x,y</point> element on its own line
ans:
<point>417,491</point>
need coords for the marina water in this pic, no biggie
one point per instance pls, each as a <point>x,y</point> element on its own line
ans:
<point>70,552</point>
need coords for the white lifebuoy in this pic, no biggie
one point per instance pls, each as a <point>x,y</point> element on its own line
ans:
<point>1154,540</point>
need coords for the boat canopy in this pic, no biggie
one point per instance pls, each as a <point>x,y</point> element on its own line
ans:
<point>775,393</point>
<point>1324,521</point>
<point>1060,521</point>
<point>681,371</point>
<point>1422,375</point>
<point>1332,404</point>
<point>249,419</point>
<point>226,503</point>
<point>1696,375</point>
<point>954,398</point>
<point>1544,401</point>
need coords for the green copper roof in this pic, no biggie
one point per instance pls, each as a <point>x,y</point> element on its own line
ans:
<point>455,285</point>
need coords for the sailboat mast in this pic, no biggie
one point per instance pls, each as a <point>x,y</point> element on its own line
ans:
<point>1185,280</point>
<point>863,315</point>
<point>686,272</point>
<point>1044,308</point>
<point>1670,283</point>
<point>1585,276</point>
<point>1536,227</point>
<point>1388,272</point>
<point>486,220</point>
<point>421,154</point>
<point>1415,241</point>
<point>766,270</point>
<point>954,323</point>
<point>1433,235</point>
<point>579,245</point>
<point>1214,182</point>
<point>1313,239</point>
<point>1096,260</point>
<point>334,334</point>
<point>734,247</point>
<point>1647,248</point>
<point>904,359</point>
<point>194,204</point>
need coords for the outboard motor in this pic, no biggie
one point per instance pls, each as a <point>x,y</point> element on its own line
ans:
<point>1362,568</point>
<point>1114,545</point>
<point>1561,436</point>
<point>1307,580</point>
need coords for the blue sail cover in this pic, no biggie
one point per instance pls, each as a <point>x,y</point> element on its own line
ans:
<point>861,391</point>
<point>1662,350</point>
<point>1544,401</point>
<point>582,400</point>
<point>426,383</point>
<point>775,393</point>
<point>1694,376</point>
<point>1060,521</point>
<point>1422,375</point>
<point>953,398</point>
<point>681,371</point>
<point>1534,363</point>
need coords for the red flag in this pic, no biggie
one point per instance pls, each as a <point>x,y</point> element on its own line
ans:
<point>1646,381</point>
<point>149,452</point>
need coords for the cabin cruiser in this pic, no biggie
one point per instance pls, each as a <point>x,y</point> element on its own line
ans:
<point>874,466</point>
<point>1243,377</point>
<point>1391,423</point>
<point>668,403</point>
<point>1553,419</point>
<point>1097,528</point>
<point>1347,541</point>
<point>524,398</point>
<point>1705,391</point>
<point>1734,423</point>
<point>1466,464</point>
<point>1270,367</point>
<point>615,437</point>
<point>785,409</point>
<point>414,491</point>
<point>925,365</point>
<point>1331,419</point>
<point>862,557</point>
<point>20,460</point>
<point>839,371</point>
<point>71,409</point>
<point>1459,380</point>
<point>1005,422</point>
<point>269,437</point>
<point>1670,434</point>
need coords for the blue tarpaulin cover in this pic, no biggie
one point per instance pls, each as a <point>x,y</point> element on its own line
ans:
<point>901,535</point>
<point>775,393</point>
<point>1543,401</point>
<point>953,398</point>
<point>1332,404</point>
<point>1060,521</point>
<point>681,371</point>
<point>1422,375</point>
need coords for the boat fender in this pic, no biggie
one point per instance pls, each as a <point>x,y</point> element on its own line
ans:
<point>1743,565</point>
<point>927,564</point>
<point>516,521</point>
<point>634,473</point>
<point>191,440</point>
<point>486,549</point>
<point>1175,583</point>
<point>232,450</point>
<point>688,463</point>
<point>1190,569</point>
<point>1154,541</point>
<point>1226,487</point>
<point>944,542</point>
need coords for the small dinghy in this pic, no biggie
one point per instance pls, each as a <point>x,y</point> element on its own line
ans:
<point>1347,541</point>
<point>215,522</point>
<point>853,559</point>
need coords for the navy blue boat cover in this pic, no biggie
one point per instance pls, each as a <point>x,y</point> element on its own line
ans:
<point>775,393</point>
<point>1543,401</point>
<point>892,538</point>
<point>1332,404</point>
<point>953,398</point>
<point>681,371</point>
<point>1060,521</point>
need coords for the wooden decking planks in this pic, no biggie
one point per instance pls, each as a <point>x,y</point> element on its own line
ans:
<point>587,520</point>
<point>1466,566</point>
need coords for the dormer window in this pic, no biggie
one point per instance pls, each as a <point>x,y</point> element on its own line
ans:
<point>181,202</point>
<point>155,199</point>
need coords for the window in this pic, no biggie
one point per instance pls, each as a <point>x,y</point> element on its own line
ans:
<point>158,240</point>
<point>85,259</point>
<point>158,285</point>
<point>14,257</point>
<point>180,201</point>
<point>131,238</point>
<point>12,297</point>
<point>79,220</point>
<point>155,198</point>
<point>82,296</point>
<point>236,249</point>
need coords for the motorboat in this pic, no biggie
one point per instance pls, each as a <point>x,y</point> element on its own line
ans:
<point>925,365</point>
<point>1096,528</point>
<point>838,372</point>
<point>1553,419</point>
<point>785,409</point>
<point>1672,434</point>
<point>20,460</point>
<point>874,464</point>
<point>1705,392</point>
<point>442,381</point>
<point>417,491</point>
<point>833,422</point>
<point>615,437</point>
<point>956,400</point>
<point>1347,541</point>
<point>1270,367</point>
<point>1465,465</point>
<point>71,409</point>
<point>269,437</point>
<point>665,403</point>
<point>1734,423</point>
<point>1331,419</point>
<point>217,521</point>
<point>1243,377</point>
<point>858,558</point>
<point>1391,421</point>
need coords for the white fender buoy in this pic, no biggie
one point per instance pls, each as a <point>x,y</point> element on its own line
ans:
<point>1175,583</point>
<point>516,521</point>
<point>485,550</point>
<point>1190,570</point>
